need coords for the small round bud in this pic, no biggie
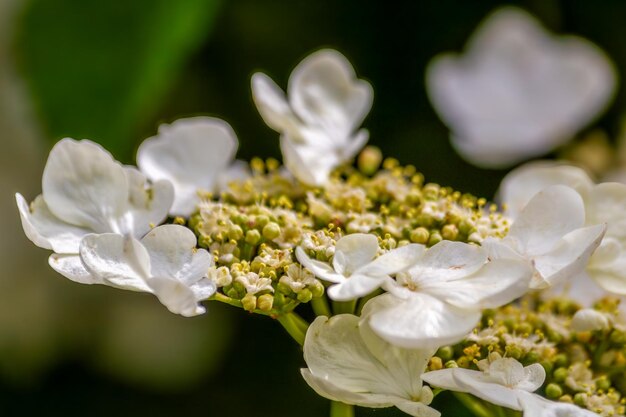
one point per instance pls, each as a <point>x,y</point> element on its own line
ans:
<point>204,241</point>
<point>554,390</point>
<point>451,364</point>
<point>271,231</point>
<point>580,399</point>
<point>466,227</point>
<point>560,374</point>
<point>446,353</point>
<point>317,289</point>
<point>283,288</point>
<point>561,360</point>
<point>603,383</point>
<point>435,363</point>
<point>449,232</point>
<point>369,160</point>
<point>434,238</point>
<point>514,352</point>
<point>248,302</point>
<point>420,235</point>
<point>235,232</point>
<point>305,296</point>
<point>253,237</point>
<point>261,220</point>
<point>279,299</point>
<point>431,191</point>
<point>265,302</point>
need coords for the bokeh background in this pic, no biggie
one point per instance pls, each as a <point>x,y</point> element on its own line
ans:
<point>112,71</point>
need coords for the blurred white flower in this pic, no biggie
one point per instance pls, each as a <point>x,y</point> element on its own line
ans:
<point>326,103</point>
<point>604,203</point>
<point>518,91</point>
<point>535,405</point>
<point>347,362</point>
<point>439,299</point>
<point>499,381</point>
<point>193,154</point>
<point>588,319</point>
<point>549,233</point>
<point>165,262</point>
<point>354,271</point>
<point>86,191</point>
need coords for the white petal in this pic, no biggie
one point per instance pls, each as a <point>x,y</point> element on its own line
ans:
<point>522,183</point>
<point>534,377</point>
<point>173,254</point>
<point>71,267</point>
<point>605,204</point>
<point>272,104</point>
<point>320,269</point>
<point>119,261</point>
<point>190,153</point>
<point>323,89</point>
<point>479,384</point>
<point>588,319</point>
<point>355,286</point>
<point>354,145</point>
<point>203,289</point>
<point>570,256</point>
<point>310,165</point>
<point>496,283</point>
<point>396,260</point>
<point>335,353</point>
<point>148,204</point>
<point>83,185</point>
<point>534,405</point>
<point>447,261</point>
<point>354,251</point>
<point>417,409</point>
<point>549,215</point>
<point>419,322</point>
<point>47,231</point>
<point>176,296</point>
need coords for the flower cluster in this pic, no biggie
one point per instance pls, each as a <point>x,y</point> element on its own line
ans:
<point>415,287</point>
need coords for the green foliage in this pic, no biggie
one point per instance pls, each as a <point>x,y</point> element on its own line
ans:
<point>100,69</point>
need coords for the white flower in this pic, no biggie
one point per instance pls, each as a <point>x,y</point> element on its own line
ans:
<point>354,270</point>
<point>439,299</point>
<point>254,284</point>
<point>549,233</point>
<point>347,362</point>
<point>534,405</point>
<point>165,262</point>
<point>518,91</point>
<point>603,203</point>
<point>317,121</point>
<point>191,154</point>
<point>86,191</point>
<point>297,278</point>
<point>500,380</point>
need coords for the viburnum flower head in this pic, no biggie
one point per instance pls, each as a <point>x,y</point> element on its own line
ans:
<point>439,299</point>
<point>194,154</point>
<point>319,118</point>
<point>518,91</point>
<point>355,270</point>
<point>85,191</point>
<point>165,263</point>
<point>549,232</point>
<point>347,362</point>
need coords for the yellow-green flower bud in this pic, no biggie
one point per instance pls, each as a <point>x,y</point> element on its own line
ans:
<point>265,302</point>
<point>235,232</point>
<point>204,241</point>
<point>317,289</point>
<point>554,390</point>
<point>603,383</point>
<point>434,238</point>
<point>253,237</point>
<point>451,364</point>
<point>420,235</point>
<point>271,231</point>
<point>561,360</point>
<point>446,353</point>
<point>261,221</point>
<point>283,288</point>
<point>305,296</point>
<point>435,363</point>
<point>449,232</point>
<point>369,160</point>
<point>580,399</point>
<point>560,374</point>
<point>248,302</point>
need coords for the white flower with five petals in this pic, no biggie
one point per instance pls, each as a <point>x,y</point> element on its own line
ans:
<point>194,154</point>
<point>354,271</point>
<point>549,232</point>
<point>518,91</point>
<point>347,362</point>
<point>439,299</point>
<point>165,263</point>
<point>86,191</point>
<point>317,121</point>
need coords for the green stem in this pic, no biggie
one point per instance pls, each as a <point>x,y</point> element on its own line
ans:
<point>339,409</point>
<point>295,326</point>
<point>344,307</point>
<point>473,405</point>
<point>320,306</point>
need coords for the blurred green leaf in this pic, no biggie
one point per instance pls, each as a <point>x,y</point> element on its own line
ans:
<point>99,69</point>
